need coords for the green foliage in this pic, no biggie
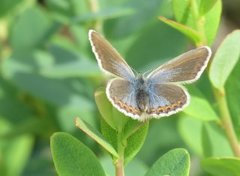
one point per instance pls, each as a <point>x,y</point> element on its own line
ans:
<point>72,158</point>
<point>135,140</point>
<point>107,111</point>
<point>189,32</point>
<point>96,136</point>
<point>48,77</point>
<point>223,61</point>
<point>195,109</point>
<point>222,167</point>
<point>15,151</point>
<point>201,18</point>
<point>132,133</point>
<point>175,162</point>
<point>7,6</point>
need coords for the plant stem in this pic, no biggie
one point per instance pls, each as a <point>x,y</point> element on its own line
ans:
<point>227,121</point>
<point>119,167</point>
<point>119,163</point>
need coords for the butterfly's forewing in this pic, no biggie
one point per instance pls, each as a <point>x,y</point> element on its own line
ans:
<point>121,93</point>
<point>160,88</point>
<point>166,99</point>
<point>108,58</point>
<point>185,68</point>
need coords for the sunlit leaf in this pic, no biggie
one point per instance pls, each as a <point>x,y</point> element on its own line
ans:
<point>224,60</point>
<point>199,108</point>
<point>211,19</point>
<point>191,132</point>
<point>184,12</point>
<point>206,5</point>
<point>187,31</point>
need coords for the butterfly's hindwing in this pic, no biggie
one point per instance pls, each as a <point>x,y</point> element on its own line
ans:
<point>122,95</point>
<point>157,95</point>
<point>166,99</point>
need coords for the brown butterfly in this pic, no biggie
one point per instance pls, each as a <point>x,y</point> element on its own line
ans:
<point>157,94</point>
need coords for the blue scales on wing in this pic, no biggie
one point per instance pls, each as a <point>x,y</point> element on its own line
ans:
<point>123,96</point>
<point>166,99</point>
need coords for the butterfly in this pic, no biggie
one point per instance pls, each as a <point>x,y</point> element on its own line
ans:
<point>149,95</point>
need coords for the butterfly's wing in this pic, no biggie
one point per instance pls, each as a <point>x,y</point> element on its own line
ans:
<point>185,68</point>
<point>121,94</point>
<point>166,99</point>
<point>108,58</point>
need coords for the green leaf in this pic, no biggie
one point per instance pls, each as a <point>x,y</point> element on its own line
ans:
<point>174,162</point>
<point>32,83</point>
<point>195,109</point>
<point>73,158</point>
<point>184,12</point>
<point>8,5</point>
<point>114,123</point>
<point>222,166</point>
<point>204,138</point>
<point>187,31</point>
<point>110,134</point>
<point>63,11</point>
<point>63,60</point>
<point>136,140</point>
<point>9,100</point>
<point>211,19</point>
<point>105,108</point>
<point>191,132</point>
<point>206,5</point>
<point>161,127</point>
<point>191,13</point>
<point>80,68</point>
<point>22,71</point>
<point>132,137</point>
<point>33,23</point>
<point>95,136</point>
<point>232,89</point>
<point>15,151</point>
<point>224,60</point>
<point>212,137</point>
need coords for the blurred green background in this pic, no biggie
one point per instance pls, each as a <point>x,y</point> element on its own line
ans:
<point>49,74</point>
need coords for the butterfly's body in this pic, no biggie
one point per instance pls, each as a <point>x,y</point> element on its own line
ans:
<point>141,93</point>
<point>155,95</point>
